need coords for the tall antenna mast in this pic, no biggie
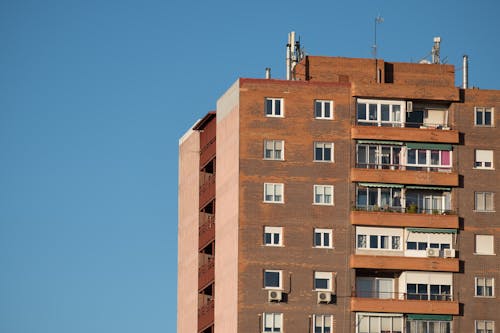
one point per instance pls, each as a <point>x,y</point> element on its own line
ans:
<point>379,19</point>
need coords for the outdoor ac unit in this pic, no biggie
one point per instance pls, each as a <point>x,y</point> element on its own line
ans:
<point>275,296</point>
<point>409,106</point>
<point>432,252</point>
<point>324,297</point>
<point>449,253</point>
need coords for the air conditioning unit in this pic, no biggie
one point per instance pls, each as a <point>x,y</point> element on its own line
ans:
<point>324,297</point>
<point>449,253</point>
<point>274,295</point>
<point>409,106</point>
<point>432,252</point>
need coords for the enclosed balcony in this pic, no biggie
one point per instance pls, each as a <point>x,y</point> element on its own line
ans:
<point>404,292</point>
<point>206,230</point>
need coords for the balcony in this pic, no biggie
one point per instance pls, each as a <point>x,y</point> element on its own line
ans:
<point>404,177</point>
<point>404,263</point>
<point>425,134</point>
<point>207,188</point>
<point>206,231</point>
<point>206,315</point>
<point>206,273</point>
<point>404,305</point>
<point>400,218</point>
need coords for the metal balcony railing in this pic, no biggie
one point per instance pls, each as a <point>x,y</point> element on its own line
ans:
<point>403,296</point>
<point>387,166</point>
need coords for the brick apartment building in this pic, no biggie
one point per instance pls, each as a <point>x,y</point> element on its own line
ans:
<point>349,198</point>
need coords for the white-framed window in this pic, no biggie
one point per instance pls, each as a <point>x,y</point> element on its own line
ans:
<point>433,292</point>
<point>323,195</point>
<point>379,322</point>
<point>323,109</point>
<point>429,158</point>
<point>273,236</point>
<point>379,242</point>
<point>323,151</point>
<point>380,113</point>
<point>484,326</point>
<point>323,238</point>
<point>322,323</point>
<point>272,279</point>
<point>485,286</point>
<point>323,281</point>
<point>483,159</point>
<point>428,326</point>
<point>483,116</point>
<point>484,202</point>
<point>272,322</point>
<point>274,150</point>
<point>378,156</point>
<point>484,244</point>
<point>274,107</point>
<point>273,192</point>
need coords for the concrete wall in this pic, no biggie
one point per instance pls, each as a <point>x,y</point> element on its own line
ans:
<point>187,276</point>
<point>226,213</point>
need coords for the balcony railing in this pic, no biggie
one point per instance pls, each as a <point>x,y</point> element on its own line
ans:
<point>382,123</point>
<point>409,210</point>
<point>387,166</point>
<point>403,296</point>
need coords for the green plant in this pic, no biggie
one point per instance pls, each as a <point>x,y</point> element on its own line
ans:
<point>412,209</point>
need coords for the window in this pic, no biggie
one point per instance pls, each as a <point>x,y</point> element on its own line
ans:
<point>274,107</point>
<point>428,326</point>
<point>323,194</point>
<point>379,113</point>
<point>484,326</point>
<point>323,281</point>
<point>323,151</point>
<point>273,150</point>
<point>322,323</point>
<point>376,156</point>
<point>323,109</point>
<point>433,292</point>
<point>431,159</point>
<point>485,287</point>
<point>272,322</point>
<point>483,116</point>
<point>273,193</point>
<point>272,279</point>
<point>379,323</point>
<point>379,242</point>
<point>273,236</point>
<point>323,238</point>
<point>484,244</point>
<point>483,159</point>
<point>374,198</point>
<point>484,202</point>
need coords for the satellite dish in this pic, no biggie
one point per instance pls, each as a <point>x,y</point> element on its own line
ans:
<point>424,61</point>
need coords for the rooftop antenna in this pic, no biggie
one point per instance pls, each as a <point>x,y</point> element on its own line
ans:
<point>379,19</point>
<point>435,50</point>
<point>294,54</point>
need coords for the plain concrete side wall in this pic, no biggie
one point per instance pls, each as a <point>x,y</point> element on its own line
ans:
<point>226,213</point>
<point>187,275</point>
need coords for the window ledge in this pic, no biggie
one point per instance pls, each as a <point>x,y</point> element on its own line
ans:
<point>272,245</point>
<point>490,169</point>
<point>483,211</point>
<point>487,297</point>
<point>484,254</point>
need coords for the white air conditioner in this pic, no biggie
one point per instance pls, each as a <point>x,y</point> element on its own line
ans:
<point>449,253</point>
<point>324,297</point>
<point>274,295</point>
<point>432,252</point>
<point>409,106</point>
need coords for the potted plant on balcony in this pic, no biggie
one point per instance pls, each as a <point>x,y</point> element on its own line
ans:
<point>412,209</point>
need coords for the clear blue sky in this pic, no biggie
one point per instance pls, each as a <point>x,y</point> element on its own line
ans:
<point>94,96</point>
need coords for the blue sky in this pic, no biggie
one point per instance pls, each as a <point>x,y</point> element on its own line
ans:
<point>94,97</point>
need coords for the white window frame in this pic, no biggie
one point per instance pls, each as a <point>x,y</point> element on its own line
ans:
<point>319,109</point>
<point>272,322</point>
<point>274,146</point>
<point>323,146</point>
<point>484,326</point>
<point>323,233</point>
<point>271,109</point>
<point>321,193</point>
<point>392,236</point>
<point>481,201</point>
<point>280,274</point>
<point>482,240</point>
<point>364,319</point>
<point>273,231</point>
<point>483,157</point>
<point>483,111</point>
<point>484,283</point>
<point>428,159</point>
<point>377,120</point>
<point>328,276</point>
<point>322,322</point>
<point>274,195</point>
